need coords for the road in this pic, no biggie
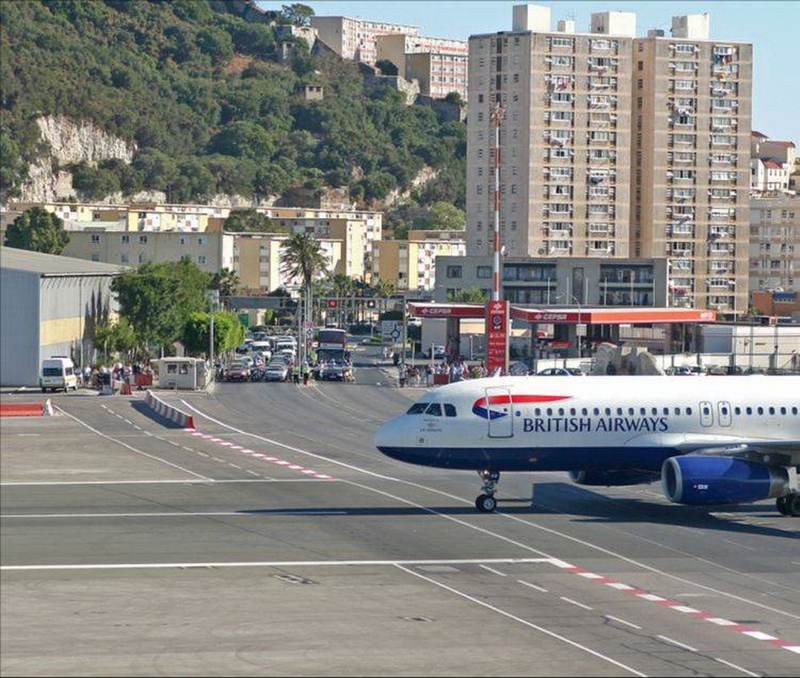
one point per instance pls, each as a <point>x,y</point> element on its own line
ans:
<point>276,540</point>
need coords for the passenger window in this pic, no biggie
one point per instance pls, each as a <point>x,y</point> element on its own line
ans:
<point>689,411</point>
<point>737,411</point>
<point>596,411</point>
<point>560,411</point>
<point>417,408</point>
<point>68,371</point>
<point>794,410</point>
<point>434,410</point>
<point>549,412</point>
<point>760,410</point>
<point>783,410</point>
<point>537,412</point>
<point>654,411</point>
<point>678,411</point>
<point>608,411</point>
<point>449,410</point>
<point>619,411</point>
<point>665,411</point>
<point>749,410</point>
<point>706,411</point>
<point>572,411</point>
<point>630,411</point>
<point>724,411</point>
<point>772,410</point>
<point>584,411</point>
<point>642,411</point>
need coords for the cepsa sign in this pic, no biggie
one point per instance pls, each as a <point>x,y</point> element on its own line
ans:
<point>497,336</point>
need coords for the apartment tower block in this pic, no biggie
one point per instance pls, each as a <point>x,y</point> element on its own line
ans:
<point>615,146</point>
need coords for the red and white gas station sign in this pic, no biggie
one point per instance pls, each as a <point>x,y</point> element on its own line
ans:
<point>497,320</point>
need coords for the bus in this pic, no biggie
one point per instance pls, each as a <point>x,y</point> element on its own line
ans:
<point>333,358</point>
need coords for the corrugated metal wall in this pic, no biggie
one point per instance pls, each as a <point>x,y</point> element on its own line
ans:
<point>19,328</point>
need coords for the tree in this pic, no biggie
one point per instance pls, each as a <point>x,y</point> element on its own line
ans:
<point>37,230</point>
<point>387,67</point>
<point>251,221</point>
<point>454,98</point>
<point>470,295</point>
<point>118,337</point>
<point>384,288</point>
<point>443,215</point>
<point>157,299</point>
<point>228,332</point>
<point>297,14</point>
<point>226,281</point>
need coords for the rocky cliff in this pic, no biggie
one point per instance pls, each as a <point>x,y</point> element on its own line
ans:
<point>69,141</point>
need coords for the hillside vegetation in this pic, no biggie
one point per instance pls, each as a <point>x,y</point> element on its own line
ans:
<point>196,85</point>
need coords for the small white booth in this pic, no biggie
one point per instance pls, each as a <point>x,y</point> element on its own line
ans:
<point>182,373</point>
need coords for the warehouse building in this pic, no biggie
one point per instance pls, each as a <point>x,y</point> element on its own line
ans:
<point>49,306</point>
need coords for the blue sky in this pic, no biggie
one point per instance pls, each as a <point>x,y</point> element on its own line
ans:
<point>772,27</point>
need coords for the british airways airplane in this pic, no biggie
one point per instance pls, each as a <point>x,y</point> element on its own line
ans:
<point>711,440</point>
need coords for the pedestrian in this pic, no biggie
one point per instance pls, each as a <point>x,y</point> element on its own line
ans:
<point>305,374</point>
<point>296,374</point>
<point>402,377</point>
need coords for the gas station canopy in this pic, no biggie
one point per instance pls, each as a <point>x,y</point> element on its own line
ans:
<point>568,315</point>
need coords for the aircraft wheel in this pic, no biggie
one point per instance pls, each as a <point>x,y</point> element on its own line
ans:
<point>781,504</point>
<point>793,505</point>
<point>486,503</point>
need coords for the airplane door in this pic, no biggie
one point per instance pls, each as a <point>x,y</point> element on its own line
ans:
<point>706,413</point>
<point>499,411</point>
<point>724,413</point>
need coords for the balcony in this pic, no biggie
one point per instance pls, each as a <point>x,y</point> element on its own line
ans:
<point>681,231</point>
<point>605,251</point>
<point>599,229</point>
<point>559,232</point>
<point>681,265</point>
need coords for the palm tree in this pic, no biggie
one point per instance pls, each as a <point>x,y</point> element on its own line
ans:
<point>226,281</point>
<point>383,288</point>
<point>302,258</point>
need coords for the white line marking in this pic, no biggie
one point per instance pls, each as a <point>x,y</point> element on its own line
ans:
<point>684,608</point>
<point>188,449</point>
<point>590,575</point>
<point>719,621</point>
<point>651,597</point>
<point>208,481</point>
<point>234,465</point>
<point>174,514</point>
<point>493,571</point>
<point>759,635</point>
<point>536,627</point>
<point>173,443</point>
<point>575,602</point>
<point>129,447</point>
<point>738,668</point>
<point>622,621</point>
<point>506,516</point>
<point>619,586</point>
<point>533,586</point>
<point>792,648</point>
<point>138,428</point>
<point>677,643</point>
<point>269,563</point>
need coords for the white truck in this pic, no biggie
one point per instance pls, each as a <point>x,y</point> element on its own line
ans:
<point>58,372</point>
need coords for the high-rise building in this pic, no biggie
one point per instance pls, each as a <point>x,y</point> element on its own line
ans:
<point>774,243</point>
<point>691,161</point>
<point>564,141</point>
<point>353,38</point>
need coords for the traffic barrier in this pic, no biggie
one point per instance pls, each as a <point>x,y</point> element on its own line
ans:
<point>21,409</point>
<point>168,411</point>
<point>125,389</point>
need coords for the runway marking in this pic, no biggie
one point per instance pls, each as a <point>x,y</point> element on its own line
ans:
<point>493,571</point>
<point>542,589</point>
<point>575,602</point>
<point>623,622</point>
<point>273,563</point>
<point>180,514</point>
<point>603,580</point>
<point>129,447</point>
<point>736,667</point>
<point>525,622</point>
<point>192,481</point>
<point>677,643</point>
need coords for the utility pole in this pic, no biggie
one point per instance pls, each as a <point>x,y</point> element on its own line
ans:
<point>404,336</point>
<point>497,118</point>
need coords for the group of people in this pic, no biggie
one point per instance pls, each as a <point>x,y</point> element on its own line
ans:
<point>456,370</point>
<point>99,376</point>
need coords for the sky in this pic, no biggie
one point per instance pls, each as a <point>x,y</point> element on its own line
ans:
<point>772,27</point>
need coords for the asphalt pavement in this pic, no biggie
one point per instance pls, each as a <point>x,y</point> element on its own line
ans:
<point>276,540</point>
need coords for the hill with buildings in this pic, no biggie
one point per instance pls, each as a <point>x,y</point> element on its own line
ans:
<point>197,98</point>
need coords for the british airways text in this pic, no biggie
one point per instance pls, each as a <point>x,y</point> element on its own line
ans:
<point>588,425</point>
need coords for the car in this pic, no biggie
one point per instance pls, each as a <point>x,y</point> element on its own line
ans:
<point>560,372</point>
<point>438,352</point>
<point>58,372</point>
<point>331,371</point>
<point>277,370</point>
<point>238,370</point>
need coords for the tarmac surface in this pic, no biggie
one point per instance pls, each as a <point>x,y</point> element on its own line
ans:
<point>276,540</point>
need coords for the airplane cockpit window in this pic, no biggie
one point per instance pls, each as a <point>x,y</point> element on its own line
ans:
<point>449,410</point>
<point>434,410</point>
<point>417,408</point>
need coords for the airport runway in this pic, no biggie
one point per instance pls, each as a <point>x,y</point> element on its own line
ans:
<point>279,541</point>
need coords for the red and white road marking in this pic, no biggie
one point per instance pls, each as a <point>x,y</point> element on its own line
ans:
<point>263,457</point>
<point>677,606</point>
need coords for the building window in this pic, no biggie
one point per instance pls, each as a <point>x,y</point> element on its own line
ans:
<point>484,272</point>
<point>201,259</point>
<point>126,239</point>
<point>143,239</point>
<point>454,271</point>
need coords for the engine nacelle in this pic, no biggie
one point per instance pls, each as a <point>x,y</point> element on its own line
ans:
<point>612,478</point>
<point>705,480</point>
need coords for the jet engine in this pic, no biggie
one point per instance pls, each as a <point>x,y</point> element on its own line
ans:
<point>612,478</point>
<point>706,480</point>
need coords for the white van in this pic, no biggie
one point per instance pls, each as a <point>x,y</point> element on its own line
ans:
<point>58,372</point>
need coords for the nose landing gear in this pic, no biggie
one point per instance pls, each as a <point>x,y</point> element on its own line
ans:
<point>486,503</point>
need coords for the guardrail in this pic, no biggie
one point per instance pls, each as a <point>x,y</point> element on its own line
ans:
<point>168,411</point>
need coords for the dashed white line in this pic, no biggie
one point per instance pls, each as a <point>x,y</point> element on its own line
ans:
<point>623,622</point>
<point>735,666</point>
<point>677,643</point>
<point>234,465</point>
<point>525,622</point>
<point>575,602</point>
<point>533,586</point>
<point>493,571</point>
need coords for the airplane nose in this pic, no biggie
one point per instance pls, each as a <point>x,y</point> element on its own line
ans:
<point>387,435</point>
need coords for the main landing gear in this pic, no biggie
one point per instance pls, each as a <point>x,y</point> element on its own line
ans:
<point>789,504</point>
<point>486,503</point>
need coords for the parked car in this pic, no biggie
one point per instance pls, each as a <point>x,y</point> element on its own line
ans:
<point>277,370</point>
<point>237,371</point>
<point>560,372</point>
<point>58,372</point>
<point>438,352</point>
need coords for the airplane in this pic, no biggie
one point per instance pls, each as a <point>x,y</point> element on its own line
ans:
<point>711,441</point>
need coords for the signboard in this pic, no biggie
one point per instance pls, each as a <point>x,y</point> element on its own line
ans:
<point>392,331</point>
<point>244,318</point>
<point>497,321</point>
